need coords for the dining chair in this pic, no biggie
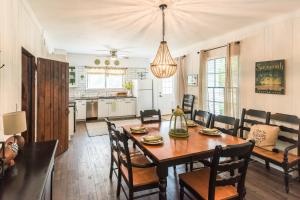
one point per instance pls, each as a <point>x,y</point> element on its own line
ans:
<point>150,116</point>
<point>218,181</point>
<point>202,118</point>
<point>114,148</point>
<point>230,124</point>
<point>138,172</point>
<point>251,117</point>
<point>188,104</point>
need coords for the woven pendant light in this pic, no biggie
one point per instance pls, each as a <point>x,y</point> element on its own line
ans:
<point>163,65</point>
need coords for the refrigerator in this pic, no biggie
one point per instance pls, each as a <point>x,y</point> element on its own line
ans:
<point>143,91</point>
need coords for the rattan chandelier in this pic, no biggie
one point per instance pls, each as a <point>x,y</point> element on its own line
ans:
<point>163,65</point>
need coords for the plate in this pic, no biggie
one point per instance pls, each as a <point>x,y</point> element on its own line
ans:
<point>218,133</point>
<point>138,130</point>
<point>158,142</point>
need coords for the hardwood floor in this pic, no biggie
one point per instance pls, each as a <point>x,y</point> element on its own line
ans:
<point>82,173</point>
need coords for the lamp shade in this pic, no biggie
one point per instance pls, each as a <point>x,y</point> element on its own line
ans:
<point>14,122</point>
<point>163,65</point>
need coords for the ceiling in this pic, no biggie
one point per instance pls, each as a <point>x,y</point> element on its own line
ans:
<point>84,26</point>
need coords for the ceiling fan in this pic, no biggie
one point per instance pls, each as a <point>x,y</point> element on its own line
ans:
<point>113,53</point>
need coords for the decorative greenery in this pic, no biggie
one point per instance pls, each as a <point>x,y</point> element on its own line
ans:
<point>128,85</point>
<point>106,62</point>
<point>97,61</point>
<point>82,76</point>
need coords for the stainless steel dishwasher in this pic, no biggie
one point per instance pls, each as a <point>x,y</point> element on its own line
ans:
<point>92,109</point>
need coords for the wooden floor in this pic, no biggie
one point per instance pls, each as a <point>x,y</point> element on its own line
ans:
<point>82,173</point>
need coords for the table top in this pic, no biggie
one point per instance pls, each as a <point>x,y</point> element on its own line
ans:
<point>175,148</point>
<point>26,180</point>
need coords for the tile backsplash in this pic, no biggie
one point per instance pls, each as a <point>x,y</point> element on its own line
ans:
<point>80,89</point>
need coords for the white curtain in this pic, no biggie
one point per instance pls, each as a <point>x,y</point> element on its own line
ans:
<point>202,81</point>
<point>180,80</point>
<point>231,96</point>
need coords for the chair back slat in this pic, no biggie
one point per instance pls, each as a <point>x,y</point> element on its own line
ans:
<point>112,136</point>
<point>261,117</point>
<point>284,122</point>
<point>150,114</point>
<point>236,168</point>
<point>231,121</point>
<point>205,118</point>
<point>229,181</point>
<point>226,166</point>
<point>188,101</point>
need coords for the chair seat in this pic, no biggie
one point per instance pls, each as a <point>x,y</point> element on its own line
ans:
<point>141,176</point>
<point>199,182</point>
<point>278,157</point>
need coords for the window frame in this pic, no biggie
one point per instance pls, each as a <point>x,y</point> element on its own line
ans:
<point>106,75</point>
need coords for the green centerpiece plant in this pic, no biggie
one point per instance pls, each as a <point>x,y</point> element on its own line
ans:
<point>128,85</point>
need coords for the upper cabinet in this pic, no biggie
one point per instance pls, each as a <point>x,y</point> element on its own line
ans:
<point>72,77</point>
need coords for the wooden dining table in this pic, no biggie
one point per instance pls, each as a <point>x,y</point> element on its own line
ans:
<point>175,151</point>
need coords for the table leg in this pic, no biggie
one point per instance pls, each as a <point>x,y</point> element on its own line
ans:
<point>162,172</point>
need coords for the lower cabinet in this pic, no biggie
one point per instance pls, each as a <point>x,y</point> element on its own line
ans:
<point>81,109</point>
<point>116,107</point>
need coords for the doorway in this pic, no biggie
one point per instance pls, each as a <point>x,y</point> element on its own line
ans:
<point>165,95</point>
<point>28,94</point>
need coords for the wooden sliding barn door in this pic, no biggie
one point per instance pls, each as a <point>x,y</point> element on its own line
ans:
<point>53,100</point>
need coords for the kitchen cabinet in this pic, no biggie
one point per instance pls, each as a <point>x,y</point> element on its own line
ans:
<point>116,107</point>
<point>71,121</point>
<point>81,109</point>
<point>103,105</point>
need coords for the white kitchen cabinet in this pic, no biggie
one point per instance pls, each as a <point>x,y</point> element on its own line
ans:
<point>103,108</point>
<point>81,109</point>
<point>115,108</point>
<point>130,107</point>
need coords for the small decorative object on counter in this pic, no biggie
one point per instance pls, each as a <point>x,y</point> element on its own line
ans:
<point>178,124</point>
<point>128,85</point>
<point>82,77</point>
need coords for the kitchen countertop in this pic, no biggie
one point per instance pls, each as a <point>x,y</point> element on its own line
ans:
<point>100,97</point>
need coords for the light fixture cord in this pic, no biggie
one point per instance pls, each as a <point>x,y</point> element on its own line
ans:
<point>163,23</point>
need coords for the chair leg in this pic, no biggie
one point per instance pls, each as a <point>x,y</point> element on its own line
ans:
<point>286,180</point>
<point>174,168</point>
<point>130,194</point>
<point>119,184</point>
<point>181,192</point>
<point>299,171</point>
<point>111,167</point>
<point>186,167</point>
<point>267,165</point>
<point>191,166</point>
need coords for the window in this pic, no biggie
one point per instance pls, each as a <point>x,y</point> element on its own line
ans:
<point>114,81</point>
<point>167,85</point>
<point>95,81</point>
<point>105,78</point>
<point>216,72</point>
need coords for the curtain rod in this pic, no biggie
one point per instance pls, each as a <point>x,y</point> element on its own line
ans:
<point>238,42</point>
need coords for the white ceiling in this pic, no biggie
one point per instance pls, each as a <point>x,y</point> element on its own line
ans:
<point>84,26</point>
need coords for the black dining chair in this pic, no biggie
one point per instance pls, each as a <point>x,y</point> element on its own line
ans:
<point>251,117</point>
<point>138,172</point>
<point>202,118</point>
<point>113,148</point>
<point>188,104</point>
<point>222,180</point>
<point>150,116</point>
<point>230,124</point>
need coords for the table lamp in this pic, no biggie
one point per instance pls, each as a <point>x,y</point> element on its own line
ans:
<point>14,123</point>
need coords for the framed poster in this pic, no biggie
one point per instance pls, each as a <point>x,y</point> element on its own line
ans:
<point>192,80</point>
<point>270,77</point>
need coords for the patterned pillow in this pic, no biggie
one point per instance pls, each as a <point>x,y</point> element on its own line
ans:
<point>265,136</point>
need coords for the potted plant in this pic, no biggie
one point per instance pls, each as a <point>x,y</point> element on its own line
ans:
<point>128,85</point>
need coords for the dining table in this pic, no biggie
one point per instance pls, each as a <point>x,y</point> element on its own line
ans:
<point>175,151</point>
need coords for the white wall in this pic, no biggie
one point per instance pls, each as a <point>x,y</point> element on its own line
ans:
<point>18,28</point>
<point>276,39</point>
